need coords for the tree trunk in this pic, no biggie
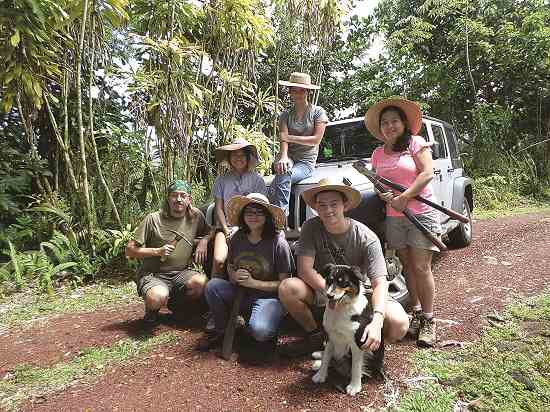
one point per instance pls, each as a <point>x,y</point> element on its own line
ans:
<point>91,126</point>
<point>82,143</point>
<point>61,143</point>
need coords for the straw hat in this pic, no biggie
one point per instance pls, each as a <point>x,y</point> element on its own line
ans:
<point>333,184</point>
<point>298,79</point>
<point>222,152</point>
<point>238,203</point>
<point>410,108</point>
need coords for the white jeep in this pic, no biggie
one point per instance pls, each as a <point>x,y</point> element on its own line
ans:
<point>347,141</point>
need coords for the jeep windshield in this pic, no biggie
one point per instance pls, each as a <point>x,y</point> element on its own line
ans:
<point>346,140</point>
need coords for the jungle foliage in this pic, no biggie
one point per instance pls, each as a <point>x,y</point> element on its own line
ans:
<point>104,102</point>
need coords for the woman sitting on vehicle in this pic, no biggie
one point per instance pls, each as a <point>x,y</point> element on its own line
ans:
<point>300,131</point>
<point>406,158</point>
<point>241,179</point>
<point>259,259</point>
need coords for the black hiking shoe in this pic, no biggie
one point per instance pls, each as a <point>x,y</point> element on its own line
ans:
<point>151,318</point>
<point>209,341</point>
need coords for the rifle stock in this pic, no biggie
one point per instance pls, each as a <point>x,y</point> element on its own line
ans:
<point>412,218</point>
<point>449,212</point>
<point>229,336</point>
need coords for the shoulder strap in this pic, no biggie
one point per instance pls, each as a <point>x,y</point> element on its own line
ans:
<point>337,254</point>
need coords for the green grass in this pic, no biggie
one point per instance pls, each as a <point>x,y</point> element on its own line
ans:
<point>28,382</point>
<point>508,369</point>
<point>510,211</point>
<point>21,308</point>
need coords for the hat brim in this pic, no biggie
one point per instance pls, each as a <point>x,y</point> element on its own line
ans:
<point>352,195</point>
<point>222,153</point>
<point>301,85</point>
<point>237,203</point>
<point>412,113</point>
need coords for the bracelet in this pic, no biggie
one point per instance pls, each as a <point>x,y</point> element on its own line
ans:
<point>380,312</point>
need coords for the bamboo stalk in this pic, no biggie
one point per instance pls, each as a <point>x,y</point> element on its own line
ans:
<point>91,127</point>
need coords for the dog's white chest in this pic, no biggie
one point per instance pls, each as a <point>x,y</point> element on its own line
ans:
<point>339,326</point>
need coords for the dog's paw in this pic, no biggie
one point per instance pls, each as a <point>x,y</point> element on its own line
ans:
<point>319,377</point>
<point>353,389</point>
<point>317,354</point>
<point>316,365</point>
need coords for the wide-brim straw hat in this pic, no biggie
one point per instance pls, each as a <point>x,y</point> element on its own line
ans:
<point>222,152</point>
<point>412,113</point>
<point>298,79</point>
<point>332,184</point>
<point>237,203</point>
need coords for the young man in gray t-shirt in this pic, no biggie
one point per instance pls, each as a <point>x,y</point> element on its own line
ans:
<point>360,247</point>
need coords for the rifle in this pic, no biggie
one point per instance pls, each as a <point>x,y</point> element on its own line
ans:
<point>449,212</point>
<point>378,186</point>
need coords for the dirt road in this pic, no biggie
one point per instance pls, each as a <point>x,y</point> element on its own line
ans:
<point>508,257</point>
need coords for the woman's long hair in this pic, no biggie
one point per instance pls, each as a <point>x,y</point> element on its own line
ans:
<point>403,141</point>
<point>269,230</point>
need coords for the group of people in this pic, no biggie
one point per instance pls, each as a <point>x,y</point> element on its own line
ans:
<point>251,255</point>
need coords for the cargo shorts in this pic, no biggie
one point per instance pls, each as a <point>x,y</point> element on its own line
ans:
<point>401,232</point>
<point>173,281</point>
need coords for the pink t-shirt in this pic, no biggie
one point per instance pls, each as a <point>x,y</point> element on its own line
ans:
<point>401,168</point>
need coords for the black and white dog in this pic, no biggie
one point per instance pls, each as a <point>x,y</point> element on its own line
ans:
<point>344,322</point>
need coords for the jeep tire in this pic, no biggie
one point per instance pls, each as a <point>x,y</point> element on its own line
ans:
<point>461,236</point>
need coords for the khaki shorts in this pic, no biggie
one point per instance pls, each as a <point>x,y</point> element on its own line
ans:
<point>173,281</point>
<point>401,232</point>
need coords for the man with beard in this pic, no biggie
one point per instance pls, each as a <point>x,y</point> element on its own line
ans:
<point>165,278</point>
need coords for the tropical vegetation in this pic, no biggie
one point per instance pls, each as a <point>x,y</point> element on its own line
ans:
<point>105,101</point>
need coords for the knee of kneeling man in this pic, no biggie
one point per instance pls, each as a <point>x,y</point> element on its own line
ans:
<point>156,298</point>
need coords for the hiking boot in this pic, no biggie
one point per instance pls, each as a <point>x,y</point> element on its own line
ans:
<point>312,342</point>
<point>426,334</point>
<point>209,341</point>
<point>414,324</point>
<point>151,317</point>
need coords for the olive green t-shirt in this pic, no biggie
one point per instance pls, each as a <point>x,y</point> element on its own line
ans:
<point>152,232</point>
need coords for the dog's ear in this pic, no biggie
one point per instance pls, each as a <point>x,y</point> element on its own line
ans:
<point>358,274</point>
<point>327,269</point>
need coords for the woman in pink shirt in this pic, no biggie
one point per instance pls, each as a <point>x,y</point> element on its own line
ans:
<point>406,158</point>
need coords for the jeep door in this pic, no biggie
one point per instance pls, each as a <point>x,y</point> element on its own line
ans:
<point>443,171</point>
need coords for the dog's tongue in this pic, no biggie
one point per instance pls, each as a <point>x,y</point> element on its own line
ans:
<point>332,304</point>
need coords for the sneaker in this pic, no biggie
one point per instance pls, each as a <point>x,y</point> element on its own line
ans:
<point>151,317</point>
<point>209,341</point>
<point>414,324</point>
<point>311,343</point>
<point>426,334</point>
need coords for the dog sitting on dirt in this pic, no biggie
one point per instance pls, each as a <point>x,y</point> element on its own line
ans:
<point>345,318</point>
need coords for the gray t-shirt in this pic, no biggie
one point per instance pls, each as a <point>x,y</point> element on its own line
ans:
<point>360,246</point>
<point>231,184</point>
<point>303,127</point>
<point>264,260</point>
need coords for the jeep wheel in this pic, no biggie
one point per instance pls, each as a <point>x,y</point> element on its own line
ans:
<point>397,285</point>
<point>461,236</point>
